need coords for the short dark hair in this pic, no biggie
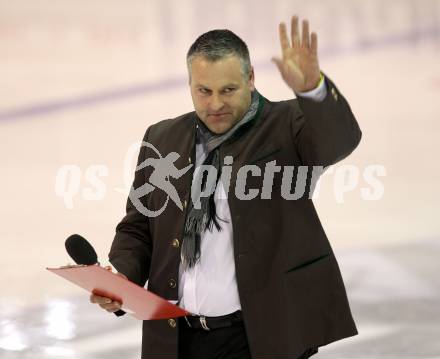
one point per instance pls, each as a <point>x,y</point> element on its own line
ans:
<point>217,44</point>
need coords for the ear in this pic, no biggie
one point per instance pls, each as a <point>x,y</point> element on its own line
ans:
<point>251,80</point>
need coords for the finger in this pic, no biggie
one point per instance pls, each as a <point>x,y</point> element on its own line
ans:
<point>314,44</point>
<point>111,307</point>
<point>284,41</point>
<point>96,299</point>
<point>112,310</point>
<point>305,34</point>
<point>295,31</point>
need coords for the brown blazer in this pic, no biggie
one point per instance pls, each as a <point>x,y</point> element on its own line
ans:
<point>291,290</point>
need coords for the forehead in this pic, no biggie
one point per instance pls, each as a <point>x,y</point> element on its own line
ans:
<point>216,73</point>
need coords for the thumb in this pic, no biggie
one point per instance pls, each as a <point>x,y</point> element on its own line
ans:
<point>277,61</point>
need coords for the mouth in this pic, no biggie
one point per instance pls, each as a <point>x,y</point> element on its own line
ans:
<point>218,115</point>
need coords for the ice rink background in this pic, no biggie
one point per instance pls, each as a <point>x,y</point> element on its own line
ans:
<point>80,83</point>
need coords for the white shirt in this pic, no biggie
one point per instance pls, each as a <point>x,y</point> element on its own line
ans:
<point>210,287</point>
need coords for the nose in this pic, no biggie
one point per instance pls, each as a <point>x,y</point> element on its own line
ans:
<point>216,103</point>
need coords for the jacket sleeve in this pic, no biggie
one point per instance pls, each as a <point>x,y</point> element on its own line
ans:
<point>324,132</point>
<point>131,249</point>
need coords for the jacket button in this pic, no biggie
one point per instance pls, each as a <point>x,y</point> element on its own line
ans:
<point>172,283</point>
<point>172,323</point>
<point>175,243</point>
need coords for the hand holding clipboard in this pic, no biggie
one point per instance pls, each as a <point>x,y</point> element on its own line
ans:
<point>103,283</point>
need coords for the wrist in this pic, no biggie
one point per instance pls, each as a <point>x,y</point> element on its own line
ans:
<point>316,85</point>
<point>318,93</point>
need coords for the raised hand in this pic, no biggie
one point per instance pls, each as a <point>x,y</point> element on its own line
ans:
<point>299,65</point>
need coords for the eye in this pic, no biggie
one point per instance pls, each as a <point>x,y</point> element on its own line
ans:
<point>229,89</point>
<point>204,90</point>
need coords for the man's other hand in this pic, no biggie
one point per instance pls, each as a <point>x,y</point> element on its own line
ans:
<point>105,303</point>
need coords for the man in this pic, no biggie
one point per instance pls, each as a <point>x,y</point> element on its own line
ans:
<point>256,271</point>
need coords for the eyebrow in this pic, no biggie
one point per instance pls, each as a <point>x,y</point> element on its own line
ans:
<point>225,86</point>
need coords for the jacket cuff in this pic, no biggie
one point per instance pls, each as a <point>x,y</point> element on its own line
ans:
<point>318,94</point>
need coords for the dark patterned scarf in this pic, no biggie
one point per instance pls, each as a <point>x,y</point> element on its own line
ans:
<point>205,217</point>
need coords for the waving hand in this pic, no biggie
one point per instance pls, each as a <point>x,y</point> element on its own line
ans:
<point>299,65</point>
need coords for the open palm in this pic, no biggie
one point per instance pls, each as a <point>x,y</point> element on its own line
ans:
<point>299,64</point>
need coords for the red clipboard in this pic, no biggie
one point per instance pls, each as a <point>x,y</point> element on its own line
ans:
<point>135,300</point>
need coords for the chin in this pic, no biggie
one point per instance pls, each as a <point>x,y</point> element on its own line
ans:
<point>220,128</point>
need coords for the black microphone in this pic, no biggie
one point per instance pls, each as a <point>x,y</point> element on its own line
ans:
<point>80,250</point>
